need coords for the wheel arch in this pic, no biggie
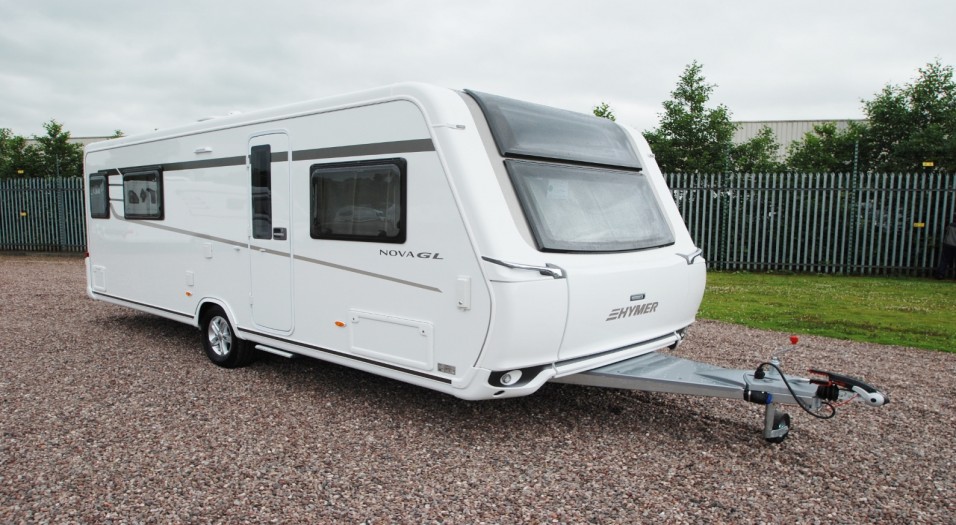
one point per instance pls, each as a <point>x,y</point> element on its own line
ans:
<point>208,303</point>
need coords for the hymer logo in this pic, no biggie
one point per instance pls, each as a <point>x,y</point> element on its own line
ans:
<point>629,311</point>
<point>413,255</point>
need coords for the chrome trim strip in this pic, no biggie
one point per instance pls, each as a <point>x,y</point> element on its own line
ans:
<point>549,269</point>
<point>689,257</point>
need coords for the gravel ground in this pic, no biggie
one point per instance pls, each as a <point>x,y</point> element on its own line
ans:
<point>113,416</point>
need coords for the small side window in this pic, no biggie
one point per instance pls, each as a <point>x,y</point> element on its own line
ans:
<point>143,194</point>
<point>99,196</point>
<point>359,201</point>
<point>260,164</point>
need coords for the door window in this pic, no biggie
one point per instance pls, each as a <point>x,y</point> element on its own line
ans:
<point>260,163</point>
<point>99,196</point>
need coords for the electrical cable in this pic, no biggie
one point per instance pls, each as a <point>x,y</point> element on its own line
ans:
<point>797,399</point>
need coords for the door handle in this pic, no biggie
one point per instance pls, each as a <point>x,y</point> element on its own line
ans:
<point>279,234</point>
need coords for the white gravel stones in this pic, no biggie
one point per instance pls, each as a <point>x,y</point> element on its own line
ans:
<point>112,416</point>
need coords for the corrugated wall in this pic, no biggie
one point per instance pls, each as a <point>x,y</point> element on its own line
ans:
<point>785,131</point>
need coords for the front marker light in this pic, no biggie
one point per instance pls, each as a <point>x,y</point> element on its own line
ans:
<point>510,378</point>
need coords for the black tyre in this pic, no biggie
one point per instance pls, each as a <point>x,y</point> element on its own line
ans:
<point>780,421</point>
<point>219,340</point>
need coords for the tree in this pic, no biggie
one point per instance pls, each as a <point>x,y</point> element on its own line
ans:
<point>17,159</point>
<point>906,125</point>
<point>693,138</point>
<point>914,122</point>
<point>603,110</point>
<point>6,152</point>
<point>59,158</point>
<point>758,155</point>
<point>828,149</point>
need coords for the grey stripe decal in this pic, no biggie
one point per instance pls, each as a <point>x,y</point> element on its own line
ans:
<point>268,250</point>
<point>381,148</point>
<point>358,150</point>
<point>205,163</point>
<point>151,224</point>
<point>369,274</point>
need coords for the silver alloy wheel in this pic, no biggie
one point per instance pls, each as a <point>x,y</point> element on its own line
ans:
<point>220,336</point>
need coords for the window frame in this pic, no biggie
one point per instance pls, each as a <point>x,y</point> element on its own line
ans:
<point>139,173</point>
<point>315,173</point>
<point>95,213</point>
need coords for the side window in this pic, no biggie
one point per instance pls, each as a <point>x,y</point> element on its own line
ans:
<point>260,164</point>
<point>359,201</point>
<point>143,194</point>
<point>99,196</point>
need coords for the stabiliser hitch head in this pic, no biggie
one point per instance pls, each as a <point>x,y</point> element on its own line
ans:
<point>829,388</point>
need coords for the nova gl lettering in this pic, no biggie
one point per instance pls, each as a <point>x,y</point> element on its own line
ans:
<point>413,255</point>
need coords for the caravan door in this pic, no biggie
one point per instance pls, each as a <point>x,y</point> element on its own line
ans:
<point>270,238</point>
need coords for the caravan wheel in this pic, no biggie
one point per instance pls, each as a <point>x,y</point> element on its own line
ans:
<point>220,341</point>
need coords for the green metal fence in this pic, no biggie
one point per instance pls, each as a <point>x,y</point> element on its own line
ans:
<point>827,223</point>
<point>42,215</point>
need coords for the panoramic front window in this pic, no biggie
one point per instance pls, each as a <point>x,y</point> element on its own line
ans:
<point>143,194</point>
<point>581,209</point>
<point>531,130</point>
<point>359,201</point>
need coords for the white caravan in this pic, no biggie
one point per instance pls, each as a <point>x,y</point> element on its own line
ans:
<point>464,242</point>
<point>455,240</point>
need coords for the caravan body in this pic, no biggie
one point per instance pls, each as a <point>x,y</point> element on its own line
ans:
<point>460,241</point>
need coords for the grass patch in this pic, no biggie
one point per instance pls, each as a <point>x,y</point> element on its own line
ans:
<point>888,310</point>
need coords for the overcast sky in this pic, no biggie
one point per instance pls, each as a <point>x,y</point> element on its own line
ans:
<point>98,66</point>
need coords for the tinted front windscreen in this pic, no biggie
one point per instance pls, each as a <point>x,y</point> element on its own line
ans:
<point>532,130</point>
<point>580,209</point>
